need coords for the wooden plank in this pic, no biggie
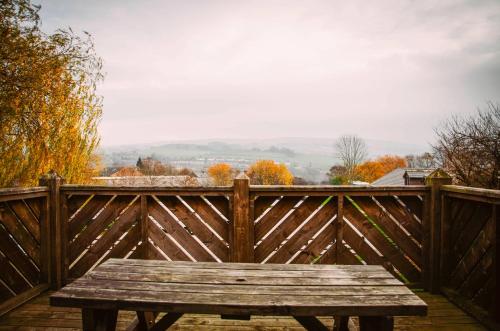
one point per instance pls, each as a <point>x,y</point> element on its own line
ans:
<point>124,246</point>
<point>327,257</point>
<point>468,261</point>
<point>221,203</point>
<point>97,226</point>
<point>196,227</point>
<point>180,234</point>
<point>20,234</point>
<point>414,204</point>
<point>473,191</point>
<point>22,262</point>
<point>302,237</point>
<point>392,253</point>
<point>403,216</point>
<point>151,264</point>
<point>262,204</point>
<point>468,234</point>
<point>391,229</point>
<point>85,216</point>
<point>326,190</point>
<point>209,215</point>
<point>11,277</point>
<point>23,213</point>
<point>153,252</point>
<point>284,229</point>
<point>478,277</point>
<point>242,304</point>
<point>36,206</point>
<point>21,298</point>
<point>5,293</point>
<point>299,290</point>
<point>108,238</point>
<point>348,257</point>
<point>278,211</point>
<point>165,244</point>
<point>75,202</point>
<point>361,247</point>
<point>460,219</point>
<point>314,249</point>
<point>284,273</point>
<point>138,190</point>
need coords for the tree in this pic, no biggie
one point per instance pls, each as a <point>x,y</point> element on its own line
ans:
<point>372,170</point>
<point>351,150</point>
<point>49,109</point>
<point>424,160</point>
<point>139,164</point>
<point>221,174</point>
<point>268,172</point>
<point>337,175</point>
<point>468,147</point>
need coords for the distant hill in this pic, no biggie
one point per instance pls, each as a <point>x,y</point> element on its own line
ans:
<point>309,158</point>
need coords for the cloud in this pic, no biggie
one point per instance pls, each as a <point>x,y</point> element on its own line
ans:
<point>385,69</point>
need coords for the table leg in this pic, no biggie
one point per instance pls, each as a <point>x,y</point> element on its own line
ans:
<point>146,321</point>
<point>99,319</point>
<point>341,323</point>
<point>311,323</point>
<point>373,323</point>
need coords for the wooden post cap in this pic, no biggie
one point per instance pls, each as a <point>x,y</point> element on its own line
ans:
<point>242,176</point>
<point>438,174</point>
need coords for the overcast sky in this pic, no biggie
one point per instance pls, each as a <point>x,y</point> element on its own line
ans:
<point>387,70</point>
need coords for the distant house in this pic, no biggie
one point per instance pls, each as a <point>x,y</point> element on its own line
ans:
<point>404,176</point>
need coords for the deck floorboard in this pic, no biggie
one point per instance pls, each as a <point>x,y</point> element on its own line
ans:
<point>38,315</point>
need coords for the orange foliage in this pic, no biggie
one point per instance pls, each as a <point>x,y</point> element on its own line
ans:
<point>127,172</point>
<point>221,174</point>
<point>268,172</point>
<point>372,170</point>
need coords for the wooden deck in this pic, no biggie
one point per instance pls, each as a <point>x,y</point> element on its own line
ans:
<point>38,315</point>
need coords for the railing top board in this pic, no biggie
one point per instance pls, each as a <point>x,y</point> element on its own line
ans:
<point>122,190</point>
<point>22,192</point>
<point>472,193</point>
<point>337,189</point>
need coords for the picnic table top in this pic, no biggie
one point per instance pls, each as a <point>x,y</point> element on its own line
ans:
<point>241,288</point>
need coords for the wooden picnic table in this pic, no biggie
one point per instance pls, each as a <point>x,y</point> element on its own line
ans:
<point>238,290</point>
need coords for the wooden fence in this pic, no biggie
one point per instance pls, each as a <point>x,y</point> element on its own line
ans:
<point>24,260</point>
<point>56,233</point>
<point>469,248</point>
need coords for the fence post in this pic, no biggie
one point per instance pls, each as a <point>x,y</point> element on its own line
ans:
<point>339,246</point>
<point>55,233</point>
<point>242,243</point>
<point>144,227</point>
<point>432,229</point>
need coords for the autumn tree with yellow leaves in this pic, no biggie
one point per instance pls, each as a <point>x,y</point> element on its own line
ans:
<point>268,172</point>
<point>49,109</point>
<point>372,170</point>
<point>221,174</point>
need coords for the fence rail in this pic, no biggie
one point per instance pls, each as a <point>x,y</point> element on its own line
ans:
<point>438,237</point>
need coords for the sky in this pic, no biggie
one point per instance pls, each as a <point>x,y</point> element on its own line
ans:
<point>387,70</point>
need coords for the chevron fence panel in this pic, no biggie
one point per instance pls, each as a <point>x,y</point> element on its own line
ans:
<point>147,225</point>
<point>374,228</point>
<point>23,256</point>
<point>469,275</point>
